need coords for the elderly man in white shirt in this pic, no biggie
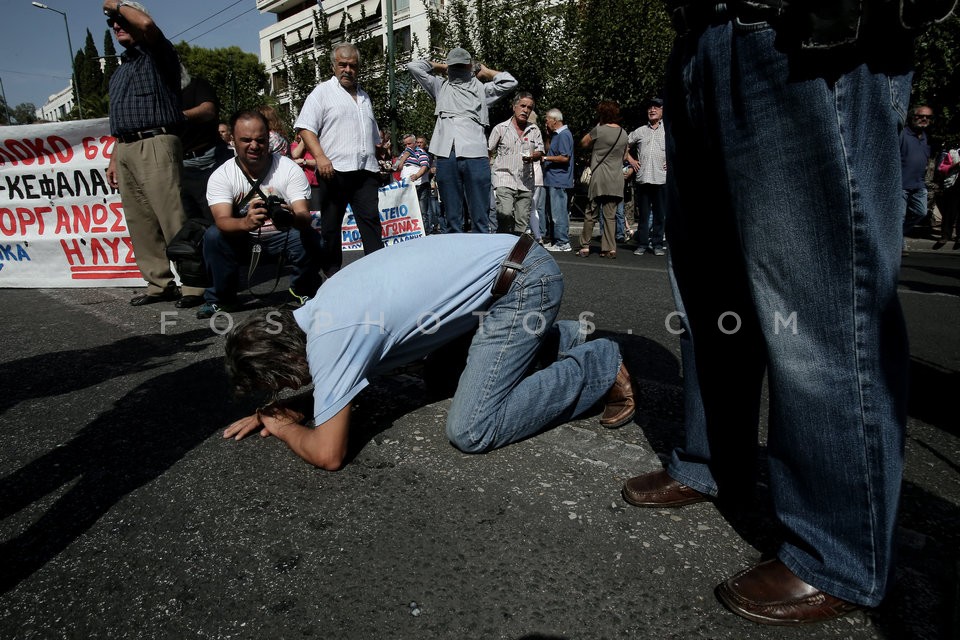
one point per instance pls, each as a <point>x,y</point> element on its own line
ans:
<point>516,145</point>
<point>338,127</point>
<point>458,141</point>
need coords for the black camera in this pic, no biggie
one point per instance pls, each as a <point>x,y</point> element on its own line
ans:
<point>282,218</point>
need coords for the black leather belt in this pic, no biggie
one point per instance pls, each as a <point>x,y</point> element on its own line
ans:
<point>510,266</point>
<point>145,133</point>
<point>190,155</point>
<point>691,17</point>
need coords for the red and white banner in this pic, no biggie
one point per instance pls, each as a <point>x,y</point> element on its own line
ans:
<point>61,224</point>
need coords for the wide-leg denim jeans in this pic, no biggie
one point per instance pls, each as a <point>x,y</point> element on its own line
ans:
<point>496,402</point>
<point>787,252</point>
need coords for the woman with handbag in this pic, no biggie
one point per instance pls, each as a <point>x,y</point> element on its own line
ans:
<point>605,178</point>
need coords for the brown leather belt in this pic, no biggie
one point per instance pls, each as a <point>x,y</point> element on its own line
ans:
<point>510,266</point>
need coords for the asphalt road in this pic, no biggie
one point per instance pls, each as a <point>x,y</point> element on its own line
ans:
<point>126,515</point>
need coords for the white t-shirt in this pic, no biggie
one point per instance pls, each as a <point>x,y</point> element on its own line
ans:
<point>346,128</point>
<point>395,306</point>
<point>285,179</point>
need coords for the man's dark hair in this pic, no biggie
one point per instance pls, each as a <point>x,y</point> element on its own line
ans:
<point>267,352</point>
<point>249,114</point>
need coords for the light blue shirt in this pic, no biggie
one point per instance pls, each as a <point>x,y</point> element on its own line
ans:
<point>393,307</point>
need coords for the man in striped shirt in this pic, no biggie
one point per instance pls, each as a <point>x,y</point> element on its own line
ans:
<point>415,167</point>
<point>515,145</point>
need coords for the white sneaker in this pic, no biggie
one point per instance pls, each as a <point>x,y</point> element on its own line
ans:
<point>640,251</point>
<point>564,247</point>
<point>659,252</point>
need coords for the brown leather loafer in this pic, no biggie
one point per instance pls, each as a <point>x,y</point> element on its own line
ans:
<point>619,407</point>
<point>770,593</point>
<point>658,489</point>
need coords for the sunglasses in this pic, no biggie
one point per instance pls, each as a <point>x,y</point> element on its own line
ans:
<point>922,116</point>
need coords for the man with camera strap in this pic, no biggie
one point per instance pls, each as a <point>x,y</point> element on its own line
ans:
<point>260,206</point>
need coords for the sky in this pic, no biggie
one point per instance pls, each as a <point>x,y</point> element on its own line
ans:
<point>34,60</point>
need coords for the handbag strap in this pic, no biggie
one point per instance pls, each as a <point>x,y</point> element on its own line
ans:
<point>254,185</point>
<point>620,133</point>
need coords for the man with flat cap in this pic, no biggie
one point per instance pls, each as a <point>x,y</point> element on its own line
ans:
<point>459,140</point>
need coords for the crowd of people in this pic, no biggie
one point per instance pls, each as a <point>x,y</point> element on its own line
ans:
<point>809,241</point>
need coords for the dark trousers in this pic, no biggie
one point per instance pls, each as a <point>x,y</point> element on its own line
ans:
<point>225,252</point>
<point>193,192</point>
<point>646,197</point>
<point>359,190</point>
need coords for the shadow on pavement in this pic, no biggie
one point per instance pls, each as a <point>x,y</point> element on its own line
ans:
<point>147,432</point>
<point>65,371</point>
<point>931,395</point>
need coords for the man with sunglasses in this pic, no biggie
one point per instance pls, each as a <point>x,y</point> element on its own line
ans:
<point>146,117</point>
<point>914,157</point>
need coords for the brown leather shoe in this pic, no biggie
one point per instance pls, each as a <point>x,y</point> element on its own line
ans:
<point>619,407</point>
<point>658,489</point>
<point>770,593</point>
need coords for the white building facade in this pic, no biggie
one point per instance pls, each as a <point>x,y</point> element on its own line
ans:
<point>58,105</point>
<point>293,33</point>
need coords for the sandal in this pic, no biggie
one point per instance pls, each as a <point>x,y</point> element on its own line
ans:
<point>608,254</point>
<point>583,252</point>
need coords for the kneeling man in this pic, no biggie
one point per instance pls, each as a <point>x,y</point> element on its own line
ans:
<point>373,317</point>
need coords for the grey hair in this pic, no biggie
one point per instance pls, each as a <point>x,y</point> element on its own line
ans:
<point>136,5</point>
<point>352,48</point>
<point>408,135</point>
<point>520,96</point>
<point>554,114</point>
<point>267,352</point>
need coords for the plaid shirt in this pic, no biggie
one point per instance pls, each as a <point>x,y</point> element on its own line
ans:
<point>145,90</point>
<point>509,169</point>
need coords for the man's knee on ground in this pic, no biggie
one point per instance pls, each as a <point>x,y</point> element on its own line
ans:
<point>462,436</point>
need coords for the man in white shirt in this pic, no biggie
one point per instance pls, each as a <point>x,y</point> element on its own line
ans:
<point>516,145</point>
<point>244,224</point>
<point>650,189</point>
<point>339,129</point>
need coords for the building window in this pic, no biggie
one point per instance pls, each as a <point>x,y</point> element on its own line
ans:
<point>401,6</point>
<point>276,48</point>
<point>280,82</point>
<point>403,40</point>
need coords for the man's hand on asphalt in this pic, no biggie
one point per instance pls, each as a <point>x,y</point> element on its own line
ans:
<point>243,427</point>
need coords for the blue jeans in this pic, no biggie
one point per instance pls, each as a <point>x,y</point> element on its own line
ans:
<point>645,198</point>
<point>809,265</point>
<point>465,178</point>
<point>224,252</point>
<point>423,197</point>
<point>496,402</point>
<point>915,206</point>
<point>559,214</point>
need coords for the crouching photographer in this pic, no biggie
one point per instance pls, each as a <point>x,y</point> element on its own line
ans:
<point>260,207</point>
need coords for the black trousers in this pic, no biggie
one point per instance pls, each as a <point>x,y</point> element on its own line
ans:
<point>359,190</point>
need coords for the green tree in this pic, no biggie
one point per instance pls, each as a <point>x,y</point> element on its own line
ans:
<point>937,79</point>
<point>110,60</point>
<point>24,113</point>
<point>237,76</point>
<point>89,78</point>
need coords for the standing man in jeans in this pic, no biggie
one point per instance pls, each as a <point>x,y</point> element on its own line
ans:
<point>338,128</point>
<point>458,141</point>
<point>914,157</point>
<point>146,117</point>
<point>805,286</point>
<point>650,190</point>
<point>558,178</point>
